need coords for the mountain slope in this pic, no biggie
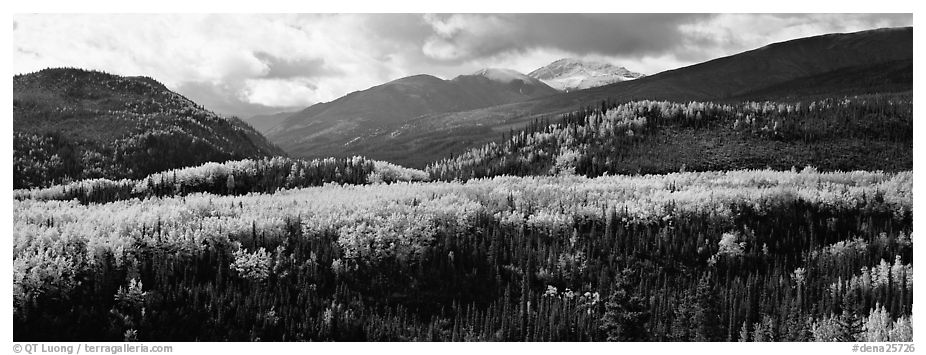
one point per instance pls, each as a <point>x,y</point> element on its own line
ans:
<point>753,70</point>
<point>885,77</point>
<point>73,124</point>
<point>571,74</point>
<point>336,128</point>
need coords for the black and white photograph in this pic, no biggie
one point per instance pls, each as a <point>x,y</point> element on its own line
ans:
<point>506,177</point>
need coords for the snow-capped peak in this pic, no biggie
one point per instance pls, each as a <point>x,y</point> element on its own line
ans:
<point>576,74</point>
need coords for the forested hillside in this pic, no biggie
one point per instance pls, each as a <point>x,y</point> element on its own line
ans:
<point>72,124</point>
<point>266,175</point>
<point>873,132</point>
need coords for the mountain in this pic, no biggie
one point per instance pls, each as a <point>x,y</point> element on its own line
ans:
<point>71,124</point>
<point>342,127</point>
<point>571,74</point>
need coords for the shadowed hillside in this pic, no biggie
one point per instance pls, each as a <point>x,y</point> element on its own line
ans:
<point>71,124</point>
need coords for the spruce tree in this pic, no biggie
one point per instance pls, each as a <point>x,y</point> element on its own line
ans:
<point>626,313</point>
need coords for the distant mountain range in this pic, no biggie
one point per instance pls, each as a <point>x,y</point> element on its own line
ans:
<point>571,74</point>
<point>341,127</point>
<point>73,124</point>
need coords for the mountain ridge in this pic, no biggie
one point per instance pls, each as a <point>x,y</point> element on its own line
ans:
<point>73,124</point>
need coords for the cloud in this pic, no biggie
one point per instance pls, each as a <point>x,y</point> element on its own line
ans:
<point>466,36</point>
<point>668,39</point>
<point>278,92</point>
<point>295,68</point>
<point>250,64</point>
<point>225,99</point>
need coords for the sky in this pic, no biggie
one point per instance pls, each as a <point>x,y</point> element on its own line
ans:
<point>245,65</point>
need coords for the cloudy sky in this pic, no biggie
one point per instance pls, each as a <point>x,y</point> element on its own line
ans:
<point>251,64</point>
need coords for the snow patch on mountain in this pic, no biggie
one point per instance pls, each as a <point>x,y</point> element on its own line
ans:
<point>570,74</point>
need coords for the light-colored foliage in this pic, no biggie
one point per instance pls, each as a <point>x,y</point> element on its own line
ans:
<point>54,240</point>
